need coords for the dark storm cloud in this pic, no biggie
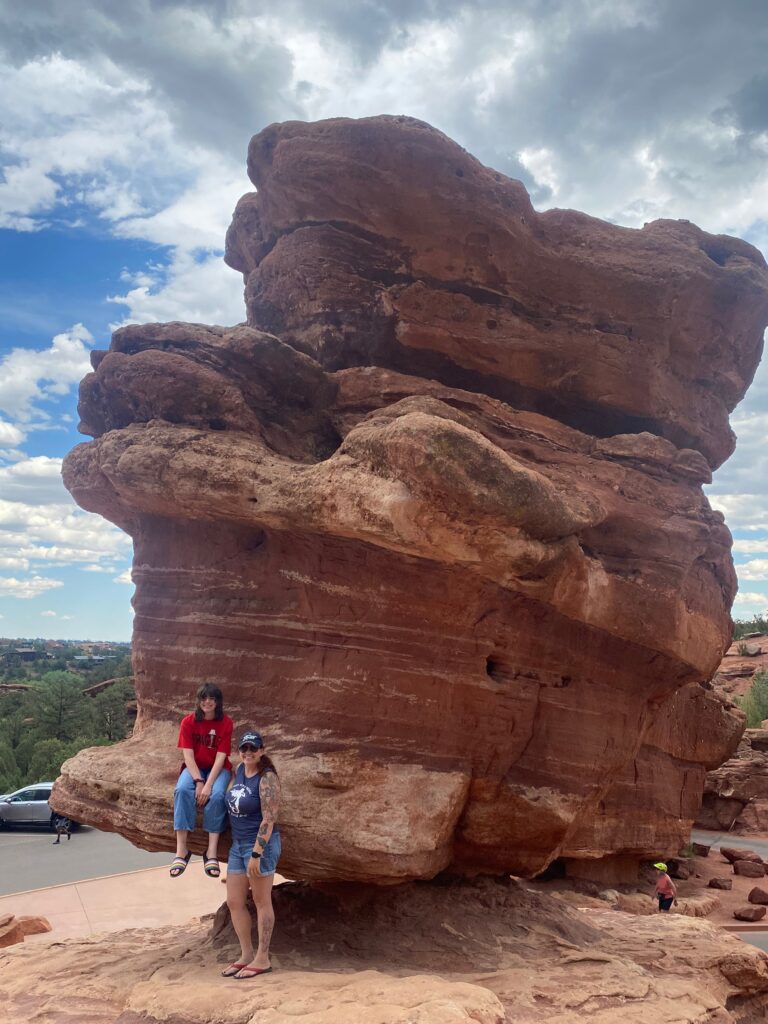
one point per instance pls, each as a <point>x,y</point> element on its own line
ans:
<point>218,87</point>
<point>587,82</point>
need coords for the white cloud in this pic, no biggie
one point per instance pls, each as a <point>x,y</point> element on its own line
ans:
<point>10,433</point>
<point>97,568</point>
<point>757,569</point>
<point>750,547</point>
<point>754,599</point>
<point>30,376</point>
<point>48,615</point>
<point>195,289</point>
<point>27,588</point>
<point>59,533</point>
<point>125,577</point>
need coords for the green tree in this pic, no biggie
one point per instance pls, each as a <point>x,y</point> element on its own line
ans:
<point>63,709</point>
<point>108,709</point>
<point>46,761</point>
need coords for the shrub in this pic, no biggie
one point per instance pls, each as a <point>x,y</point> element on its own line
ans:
<point>754,703</point>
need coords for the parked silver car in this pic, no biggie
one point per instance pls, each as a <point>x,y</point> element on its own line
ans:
<point>27,806</point>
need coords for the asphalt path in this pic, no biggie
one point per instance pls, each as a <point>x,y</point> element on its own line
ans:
<point>718,839</point>
<point>29,860</point>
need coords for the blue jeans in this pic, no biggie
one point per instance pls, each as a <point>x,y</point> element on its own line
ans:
<point>240,856</point>
<point>185,808</point>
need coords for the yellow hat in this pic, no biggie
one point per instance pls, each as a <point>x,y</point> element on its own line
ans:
<point>660,865</point>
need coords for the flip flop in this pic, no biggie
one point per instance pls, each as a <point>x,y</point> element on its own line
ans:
<point>231,971</point>
<point>179,865</point>
<point>212,868</point>
<point>253,972</point>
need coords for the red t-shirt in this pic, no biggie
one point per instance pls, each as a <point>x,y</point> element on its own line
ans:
<point>206,739</point>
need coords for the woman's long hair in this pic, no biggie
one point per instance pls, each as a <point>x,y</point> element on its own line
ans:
<point>210,690</point>
<point>266,765</point>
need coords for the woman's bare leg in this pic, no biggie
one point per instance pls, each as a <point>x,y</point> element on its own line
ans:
<point>262,897</point>
<point>237,894</point>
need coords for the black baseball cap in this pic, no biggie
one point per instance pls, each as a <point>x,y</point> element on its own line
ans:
<point>254,738</point>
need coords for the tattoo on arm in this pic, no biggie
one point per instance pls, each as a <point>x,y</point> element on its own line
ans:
<point>269,791</point>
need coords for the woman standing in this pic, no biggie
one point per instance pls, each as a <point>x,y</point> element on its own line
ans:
<point>666,893</point>
<point>252,803</point>
<point>205,739</point>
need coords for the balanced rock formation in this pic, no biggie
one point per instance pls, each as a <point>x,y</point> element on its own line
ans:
<point>433,517</point>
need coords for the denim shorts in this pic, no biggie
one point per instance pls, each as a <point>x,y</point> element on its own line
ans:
<point>240,856</point>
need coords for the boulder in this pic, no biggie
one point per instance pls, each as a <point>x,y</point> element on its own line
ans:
<point>720,883</point>
<point>679,867</point>
<point>418,512</point>
<point>700,849</point>
<point>758,895</point>
<point>749,913</point>
<point>14,929</point>
<point>748,869</point>
<point>733,853</point>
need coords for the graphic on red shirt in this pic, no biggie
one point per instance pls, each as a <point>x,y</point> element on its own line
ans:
<point>206,739</point>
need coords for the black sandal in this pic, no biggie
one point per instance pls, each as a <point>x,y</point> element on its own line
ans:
<point>211,867</point>
<point>179,865</point>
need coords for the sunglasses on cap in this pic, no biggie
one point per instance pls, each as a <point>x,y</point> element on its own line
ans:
<point>249,747</point>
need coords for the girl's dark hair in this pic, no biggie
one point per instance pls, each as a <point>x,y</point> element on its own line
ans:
<point>210,690</point>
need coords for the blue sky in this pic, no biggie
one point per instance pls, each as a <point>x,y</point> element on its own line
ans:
<point>122,154</point>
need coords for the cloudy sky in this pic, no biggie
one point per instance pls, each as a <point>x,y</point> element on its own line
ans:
<point>123,132</point>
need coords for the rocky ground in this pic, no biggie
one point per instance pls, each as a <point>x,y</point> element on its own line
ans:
<point>486,952</point>
<point>743,659</point>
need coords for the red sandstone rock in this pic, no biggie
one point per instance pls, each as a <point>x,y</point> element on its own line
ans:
<point>733,853</point>
<point>14,929</point>
<point>748,868</point>
<point>736,794</point>
<point>679,867</point>
<point>443,538</point>
<point>749,914</point>
<point>700,849</point>
<point>758,895</point>
<point>720,883</point>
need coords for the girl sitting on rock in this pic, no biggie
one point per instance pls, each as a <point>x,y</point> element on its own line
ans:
<point>252,803</point>
<point>205,739</point>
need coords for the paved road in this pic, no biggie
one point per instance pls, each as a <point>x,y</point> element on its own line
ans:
<point>718,839</point>
<point>29,860</point>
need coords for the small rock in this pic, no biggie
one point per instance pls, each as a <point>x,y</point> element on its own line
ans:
<point>748,869</point>
<point>758,895</point>
<point>752,650</point>
<point>749,914</point>
<point>610,895</point>
<point>732,853</point>
<point>701,849</point>
<point>34,925</point>
<point>10,933</point>
<point>720,883</point>
<point>678,867</point>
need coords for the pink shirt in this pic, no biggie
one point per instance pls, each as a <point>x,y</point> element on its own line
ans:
<point>664,886</point>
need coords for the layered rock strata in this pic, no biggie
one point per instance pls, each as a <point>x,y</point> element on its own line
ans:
<point>433,517</point>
